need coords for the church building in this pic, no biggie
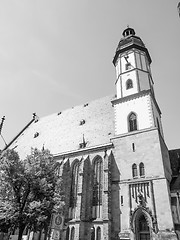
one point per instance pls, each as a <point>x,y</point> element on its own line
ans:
<point>121,180</point>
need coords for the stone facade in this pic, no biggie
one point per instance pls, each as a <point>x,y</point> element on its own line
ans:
<point>118,179</point>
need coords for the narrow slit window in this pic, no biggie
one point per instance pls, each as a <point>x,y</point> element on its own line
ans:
<point>133,147</point>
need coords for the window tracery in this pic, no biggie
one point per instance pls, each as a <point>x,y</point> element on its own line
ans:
<point>74,184</point>
<point>97,186</point>
<point>132,122</point>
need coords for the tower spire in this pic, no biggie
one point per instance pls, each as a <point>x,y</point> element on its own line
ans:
<point>134,82</point>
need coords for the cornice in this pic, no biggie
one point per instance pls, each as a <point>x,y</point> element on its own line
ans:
<point>130,97</point>
<point>141,180</point>
<point>134,132</point>
<point>84,151</point>
<point>137,95</point>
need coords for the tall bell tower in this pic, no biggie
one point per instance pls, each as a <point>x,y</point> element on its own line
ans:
<point>134,81</point>
<point>141,154</point>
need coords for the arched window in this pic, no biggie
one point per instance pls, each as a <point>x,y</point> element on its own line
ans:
<point>74,184</point>
<point>67,233</point>
<point>141,169</point>
<point>72,233</point>
<point>132,122</point>
<point>97,186</point>
<point>129,84</point>
<point>128,66</point>
<point>134,170</point>
<point>92,233</point>
<point>98,233</point>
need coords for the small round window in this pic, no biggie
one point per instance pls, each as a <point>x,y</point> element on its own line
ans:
<point>129,84</point>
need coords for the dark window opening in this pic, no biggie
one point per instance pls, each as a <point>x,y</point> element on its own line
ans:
<point>132,120</point>
<point>129,84</point>
<point>72,233</point>
<point>133,147</point>
<point>92,233</point>
<point>98,233</point>
<point>141,169</point>
<point>134,170</point>
<point>74,184</point>
<point>143,229</point>
<point>121,200</point>
<point>97,182</point>
<point>67,233</point>
<point>128,66</point>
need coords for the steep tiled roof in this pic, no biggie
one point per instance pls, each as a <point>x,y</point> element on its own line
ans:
<point>63,132</point>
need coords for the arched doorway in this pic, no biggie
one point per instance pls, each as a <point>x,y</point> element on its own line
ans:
<point>142,228</point>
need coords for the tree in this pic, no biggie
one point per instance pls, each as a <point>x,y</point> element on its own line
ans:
<point>30,191</point>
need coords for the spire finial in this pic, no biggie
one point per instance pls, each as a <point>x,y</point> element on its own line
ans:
<point>34,115</point>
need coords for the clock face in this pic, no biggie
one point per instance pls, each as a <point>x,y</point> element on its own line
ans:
<point>58,220</point>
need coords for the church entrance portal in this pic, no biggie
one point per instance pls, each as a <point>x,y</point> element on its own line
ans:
<point>142,228</point>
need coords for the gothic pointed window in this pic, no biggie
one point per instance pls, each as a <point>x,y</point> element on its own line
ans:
<point>141,169</point>
<point>97,187</point>
<point>129,84</point>
<point>74,184</point>
<point>98,233</point>
<point>92,233</point>
<point>67,233</point>
<point>132,122</point>
<point>134,170</point>
<point>72,233</point>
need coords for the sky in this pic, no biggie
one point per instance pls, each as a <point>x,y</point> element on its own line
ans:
<point>56,54</point>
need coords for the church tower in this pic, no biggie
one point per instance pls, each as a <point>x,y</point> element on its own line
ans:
<point>141,154</point>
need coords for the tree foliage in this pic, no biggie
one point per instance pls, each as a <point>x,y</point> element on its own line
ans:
<point>30,191</point>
